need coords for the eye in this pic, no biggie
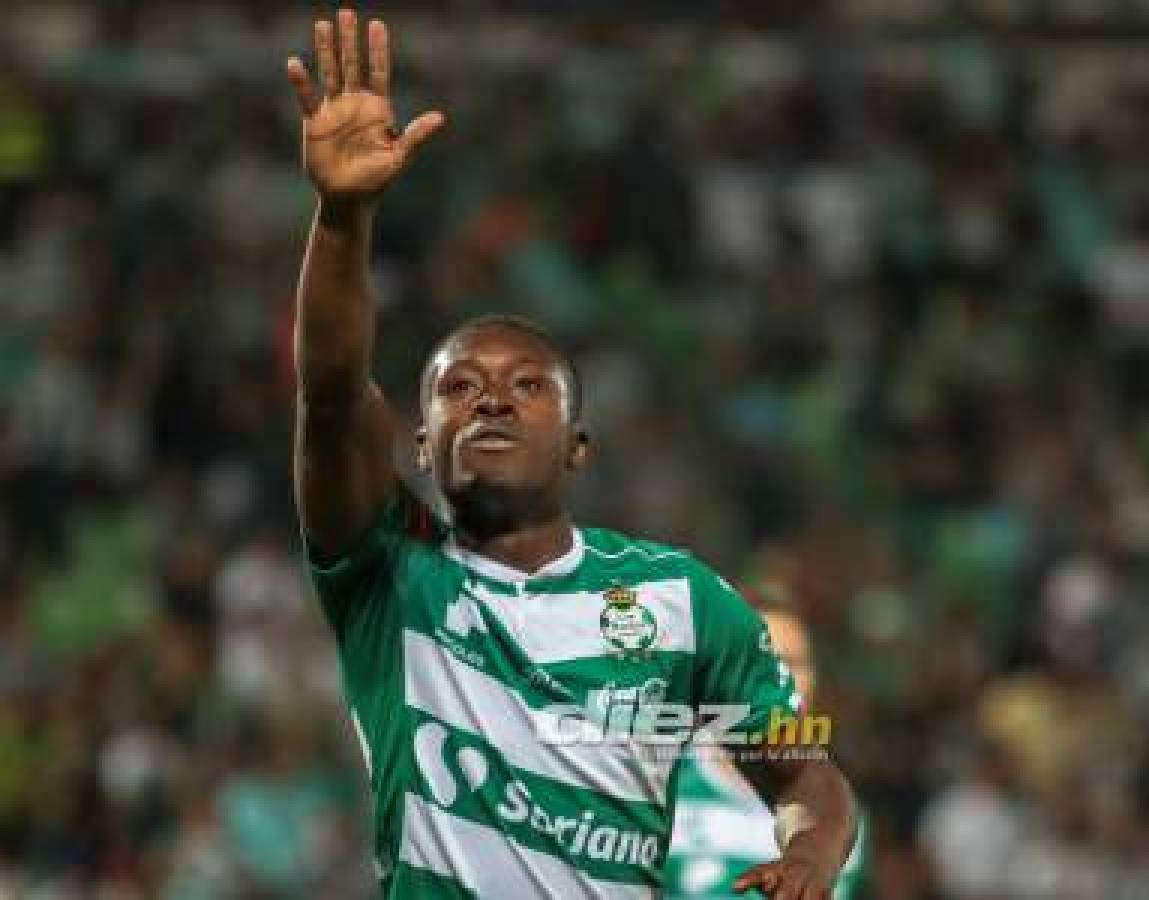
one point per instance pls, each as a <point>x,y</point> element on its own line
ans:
<point>530,384</point>
<point>457,387</point>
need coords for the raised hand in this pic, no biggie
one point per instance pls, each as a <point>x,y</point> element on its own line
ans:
<point>351,145</point>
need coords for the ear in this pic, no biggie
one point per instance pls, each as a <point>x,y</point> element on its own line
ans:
<point>580,450</point>
<point>422,452</point>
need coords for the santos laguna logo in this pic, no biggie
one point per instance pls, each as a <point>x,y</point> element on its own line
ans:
<point>579,834</point>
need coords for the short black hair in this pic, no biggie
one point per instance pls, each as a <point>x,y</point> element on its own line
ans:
<point>513,323</point>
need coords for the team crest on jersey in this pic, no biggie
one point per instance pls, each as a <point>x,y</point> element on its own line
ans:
<point>627,625</point>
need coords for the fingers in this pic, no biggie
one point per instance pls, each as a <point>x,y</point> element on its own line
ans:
<point>783,882</point>
<point>764,877</point>
<point>305,92</point>
<point>420,129</point>
<point>349,48</point>
<point>325,57</point>
<point>378,57</point>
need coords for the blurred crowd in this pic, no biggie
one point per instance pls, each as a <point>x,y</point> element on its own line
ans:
<point>866,317</point>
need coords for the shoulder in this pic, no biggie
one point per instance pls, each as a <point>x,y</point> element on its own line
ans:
<point>613,548</point>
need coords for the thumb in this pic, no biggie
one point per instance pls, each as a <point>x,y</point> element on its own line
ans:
<point>420,129</point>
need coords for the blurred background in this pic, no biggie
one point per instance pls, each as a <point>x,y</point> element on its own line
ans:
<point>862,306</point>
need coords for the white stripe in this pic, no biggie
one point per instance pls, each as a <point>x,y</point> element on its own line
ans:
<point>456,694</point>
<point>491,865</point>
<point>559,627</point>
<point>718,827</point>
<point>363,745</point>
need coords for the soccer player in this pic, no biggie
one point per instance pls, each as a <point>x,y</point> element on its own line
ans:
<point>721,825</point>
<point>465,642</point>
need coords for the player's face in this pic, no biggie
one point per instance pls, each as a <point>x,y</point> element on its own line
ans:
<point>498,414</point>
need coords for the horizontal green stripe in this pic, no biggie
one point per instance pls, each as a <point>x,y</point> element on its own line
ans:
<point>596,573</point>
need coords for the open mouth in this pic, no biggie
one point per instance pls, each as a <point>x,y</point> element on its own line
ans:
<point>491,442</point>
<point>490,438</point>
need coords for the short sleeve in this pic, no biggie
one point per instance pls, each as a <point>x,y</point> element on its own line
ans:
<point>735,660</point>
<point>346,581</point>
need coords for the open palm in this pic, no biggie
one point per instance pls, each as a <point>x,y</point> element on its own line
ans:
<point>351,147</point>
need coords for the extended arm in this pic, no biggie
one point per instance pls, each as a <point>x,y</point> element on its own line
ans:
<point>343,428</point>
<point>344,432</point>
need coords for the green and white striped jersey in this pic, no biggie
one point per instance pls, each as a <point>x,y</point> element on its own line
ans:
<point>453,666</point>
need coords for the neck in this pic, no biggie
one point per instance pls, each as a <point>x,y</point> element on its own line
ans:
<point>527,547</point>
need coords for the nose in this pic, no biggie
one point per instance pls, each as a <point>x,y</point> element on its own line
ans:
<point>494,403</point>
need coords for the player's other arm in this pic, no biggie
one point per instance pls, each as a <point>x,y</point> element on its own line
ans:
<point>816,825</point>
<point>736,663</point>
<point>345,429</point>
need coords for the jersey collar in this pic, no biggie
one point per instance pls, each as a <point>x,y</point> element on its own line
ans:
<point>490,568</point>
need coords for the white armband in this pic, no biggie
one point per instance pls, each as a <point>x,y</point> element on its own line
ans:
<point>789,820</point>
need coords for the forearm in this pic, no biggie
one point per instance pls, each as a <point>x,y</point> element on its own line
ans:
<point>815,810</point>
<point>813,802</point>
<point>335,317</point>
